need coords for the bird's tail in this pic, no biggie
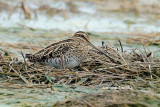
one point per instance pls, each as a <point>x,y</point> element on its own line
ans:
<point>29,57</point>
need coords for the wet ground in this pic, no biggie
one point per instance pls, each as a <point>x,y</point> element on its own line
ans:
<point>51,21</point>
<point>17,95</point>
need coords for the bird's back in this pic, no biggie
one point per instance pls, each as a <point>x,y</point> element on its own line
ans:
<point>72,51</point>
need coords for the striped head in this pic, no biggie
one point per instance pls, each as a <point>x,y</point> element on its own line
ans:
<point>82,35</point>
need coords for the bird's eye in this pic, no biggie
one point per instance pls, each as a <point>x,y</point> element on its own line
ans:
<point>82,35</point>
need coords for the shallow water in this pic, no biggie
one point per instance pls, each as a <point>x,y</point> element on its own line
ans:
<point>110,22</point>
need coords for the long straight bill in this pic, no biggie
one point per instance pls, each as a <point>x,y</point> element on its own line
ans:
<point>100,51</point>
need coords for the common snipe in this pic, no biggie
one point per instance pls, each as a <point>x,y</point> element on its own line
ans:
<point>67,53</point>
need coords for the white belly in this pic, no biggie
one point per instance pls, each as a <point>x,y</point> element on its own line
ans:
<point>70,63</point>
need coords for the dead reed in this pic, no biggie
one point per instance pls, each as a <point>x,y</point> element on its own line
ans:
<point>129,65</point>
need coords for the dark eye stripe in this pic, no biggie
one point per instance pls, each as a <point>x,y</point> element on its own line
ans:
<point>82,35</point>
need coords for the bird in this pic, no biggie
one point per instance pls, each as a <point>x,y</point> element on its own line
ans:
<point>65,54</point>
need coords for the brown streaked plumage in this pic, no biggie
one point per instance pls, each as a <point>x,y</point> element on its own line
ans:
<point>67,53</point>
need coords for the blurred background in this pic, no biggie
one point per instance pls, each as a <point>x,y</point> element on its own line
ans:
<point>38,23</point>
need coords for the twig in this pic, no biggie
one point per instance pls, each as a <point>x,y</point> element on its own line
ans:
<point>24,60</point>
<point>84,68</point>
<point>150,71</point>
<point>87,103</point>
<point>25,10</point>
<point>120,44</point>
<point>23,78</point>
<point>2,58</point>
<point>13,10</point>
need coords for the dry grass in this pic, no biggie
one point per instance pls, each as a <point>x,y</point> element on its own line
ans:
<point>129,65</point>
